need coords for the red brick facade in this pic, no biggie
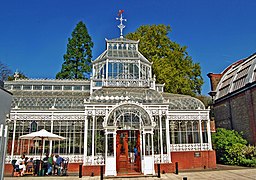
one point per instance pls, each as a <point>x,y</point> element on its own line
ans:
<point>194,159</point>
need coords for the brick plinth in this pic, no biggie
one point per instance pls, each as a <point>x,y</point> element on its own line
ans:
<point>165,168</point>
<point>89,170</point>
<point>194,159</point>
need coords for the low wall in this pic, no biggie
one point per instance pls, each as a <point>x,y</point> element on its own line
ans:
<point>195,159</point>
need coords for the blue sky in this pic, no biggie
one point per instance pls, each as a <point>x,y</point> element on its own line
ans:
<point>34,33</point>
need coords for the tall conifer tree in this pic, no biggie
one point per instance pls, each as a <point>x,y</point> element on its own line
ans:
<point>78,58</point>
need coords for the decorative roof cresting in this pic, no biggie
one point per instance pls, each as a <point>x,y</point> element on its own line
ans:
<point>121,26</point>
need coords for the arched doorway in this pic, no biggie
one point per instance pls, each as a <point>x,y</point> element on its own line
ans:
<point>129,126</point>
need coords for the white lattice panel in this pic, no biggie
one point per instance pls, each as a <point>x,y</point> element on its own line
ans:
<point>189,147</point>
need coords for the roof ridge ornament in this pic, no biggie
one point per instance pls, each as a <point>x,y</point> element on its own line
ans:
<point>16,75</point>
<point>121,26</point>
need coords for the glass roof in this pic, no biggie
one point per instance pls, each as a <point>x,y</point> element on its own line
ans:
<point>183,102</point>
<point>114,53</point>
<point>122,40</point>
<point>237,76</point>
<point>42,100</point>
<point>145,95</point>
<point>119,49</point>
<point>74,100</point>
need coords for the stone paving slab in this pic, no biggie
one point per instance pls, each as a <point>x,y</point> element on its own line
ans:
<point>238,174</point>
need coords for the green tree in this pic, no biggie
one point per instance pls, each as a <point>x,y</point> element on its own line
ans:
<point>77,60</point>
<point>4,72</point>
<point>171,63</point>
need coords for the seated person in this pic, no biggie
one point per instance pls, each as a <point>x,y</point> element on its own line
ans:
<point>45,159</point>
<point>50,163</point>
<point>45,162</point>
<point>21,164</point>
<point>26,160</point>
<point>31,160</point>
<point>58,163</point>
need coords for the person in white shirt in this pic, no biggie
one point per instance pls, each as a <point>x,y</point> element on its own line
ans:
<point>21,163</point>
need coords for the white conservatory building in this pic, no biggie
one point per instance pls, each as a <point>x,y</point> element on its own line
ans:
<point>104,118</point>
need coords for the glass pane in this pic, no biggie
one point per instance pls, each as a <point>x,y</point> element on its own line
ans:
<point>89,136</point>
<point>148,144</point>
<point>156,137</point>
<point>57,87</point>
<point>99,136</point>
<point>164,135</point>
<point>77,87</point>
<point>110,145</point>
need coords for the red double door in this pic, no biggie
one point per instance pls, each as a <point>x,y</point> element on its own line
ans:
<point>126,141</point>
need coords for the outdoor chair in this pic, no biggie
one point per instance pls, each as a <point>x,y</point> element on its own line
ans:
<point>65,166</point>
<point>36,166</point>
<point>29,168</point>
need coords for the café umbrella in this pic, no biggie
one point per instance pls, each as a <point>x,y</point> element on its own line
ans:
<point>42,135</point>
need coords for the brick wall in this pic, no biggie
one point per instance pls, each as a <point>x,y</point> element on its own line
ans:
<point>221,115</point>
<point>188,160</point>
<point>239,113</point>
<point>166,168</point>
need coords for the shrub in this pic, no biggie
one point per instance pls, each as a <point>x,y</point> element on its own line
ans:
<point>232,149</point>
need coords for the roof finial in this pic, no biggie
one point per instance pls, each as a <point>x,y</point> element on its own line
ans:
<point>121,26</point>
<point>16,75</point>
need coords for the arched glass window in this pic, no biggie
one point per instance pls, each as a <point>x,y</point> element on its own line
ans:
<point>130,115</point>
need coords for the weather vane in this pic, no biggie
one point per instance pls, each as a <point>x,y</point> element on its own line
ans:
<point>121,26</point>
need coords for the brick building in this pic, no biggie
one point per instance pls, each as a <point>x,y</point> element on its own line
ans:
<point>234,93</point>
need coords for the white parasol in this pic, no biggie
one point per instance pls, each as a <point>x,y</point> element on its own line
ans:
<point>42,135</point>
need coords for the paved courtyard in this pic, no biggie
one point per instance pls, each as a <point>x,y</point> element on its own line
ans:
<point>237,174</point>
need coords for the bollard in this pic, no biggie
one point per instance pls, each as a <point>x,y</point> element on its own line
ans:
<point>101,172</point>
<point>80,170</point>
<point>176,168</point>
<point>158,171</point>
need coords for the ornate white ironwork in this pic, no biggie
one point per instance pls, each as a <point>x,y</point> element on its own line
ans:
<point>100,112</point>
<point>188,117</point>
<point>157,158</point>
<point>98,160</point>
<point>72,158</point>
<point>68,117</point>
<point>189,147</point>
<point>46,117</point>
<point>32,117</point>
<point>121,26</point>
